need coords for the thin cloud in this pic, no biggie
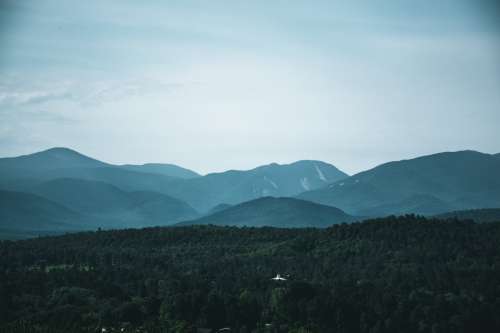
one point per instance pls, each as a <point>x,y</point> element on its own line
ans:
<point>94,93</point>
<point>107,92</point>
<point>10,99</point>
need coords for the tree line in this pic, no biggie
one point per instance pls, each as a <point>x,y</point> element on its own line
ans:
<point>397,274</point>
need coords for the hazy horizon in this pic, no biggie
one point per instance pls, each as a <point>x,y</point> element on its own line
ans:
<point>233,85</point>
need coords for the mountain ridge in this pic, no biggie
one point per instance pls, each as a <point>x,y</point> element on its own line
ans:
<point>462,179</point>
<point>201,192</point>
<point>29,212</point>
<point>58,158</point>
<point>166,169</point>
<point>276,212</point>
<point>120,208</point>
<point>236,186</point>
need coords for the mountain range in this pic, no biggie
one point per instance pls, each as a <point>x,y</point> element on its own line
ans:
<point>202,193</point>
<point>99,194</point>
<point>234,186</point>
<point>425,185</point>
<point>60,190</point>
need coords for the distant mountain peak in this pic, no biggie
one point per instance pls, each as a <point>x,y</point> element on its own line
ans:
<point>165,169</point>
<point>236,186</point>
<point>50,159</point>
<point>294,163</point>
<point>61,150</point>
<point>66,158</point>
<point>423,185</point>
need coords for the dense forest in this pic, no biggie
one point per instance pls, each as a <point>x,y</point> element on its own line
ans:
<point>398,274</point>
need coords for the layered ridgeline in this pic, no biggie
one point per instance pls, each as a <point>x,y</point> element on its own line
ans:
<point>26,215</point>
<point>425,185</point>
<point>113,206</point>
<point>69,205</point>
<point>275,212</point>
<point>19,173</point>
<point>203,193</point>
<point>234,186</point>
<point>97,193</point>
<point>117,196</point>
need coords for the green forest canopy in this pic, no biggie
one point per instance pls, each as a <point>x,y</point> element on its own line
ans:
<point>397,274</point>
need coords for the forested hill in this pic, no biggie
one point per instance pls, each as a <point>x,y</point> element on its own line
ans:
<point>477,215</point>
<point>275,212</point>
<point>404,274</point>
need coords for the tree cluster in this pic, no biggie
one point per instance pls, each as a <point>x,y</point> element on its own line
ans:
<point>397,274</point>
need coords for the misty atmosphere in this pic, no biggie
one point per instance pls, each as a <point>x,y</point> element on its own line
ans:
<point>249,166</point>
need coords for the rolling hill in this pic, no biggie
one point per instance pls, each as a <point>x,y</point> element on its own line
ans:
<point>29,214</point>
<point>276,212</point>
<point>117,207</point>
<point>425,185</point>
<point>477,215</point>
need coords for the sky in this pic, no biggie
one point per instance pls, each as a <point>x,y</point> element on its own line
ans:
<point>217,85</point>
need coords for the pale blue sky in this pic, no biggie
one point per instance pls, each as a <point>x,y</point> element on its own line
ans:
<point>213,85</point>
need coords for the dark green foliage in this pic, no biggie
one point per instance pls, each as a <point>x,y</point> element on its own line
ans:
<point>404,274</point>
<point>477,215</point>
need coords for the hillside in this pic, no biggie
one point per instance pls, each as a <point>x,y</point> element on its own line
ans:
<point>218,208</point>
<point>23,172</point>
<point>150,194</point>
<point>425,185</point>
<point>402,274</point>
<point>50,159</point>
<point>476,215</point>
<point>35,165</point>
<point>233,187</point>
<point>276,212</point>
<point>29,214</point>
<point>119,208</point>
<point>201,192</point>
<point>169,170</point>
